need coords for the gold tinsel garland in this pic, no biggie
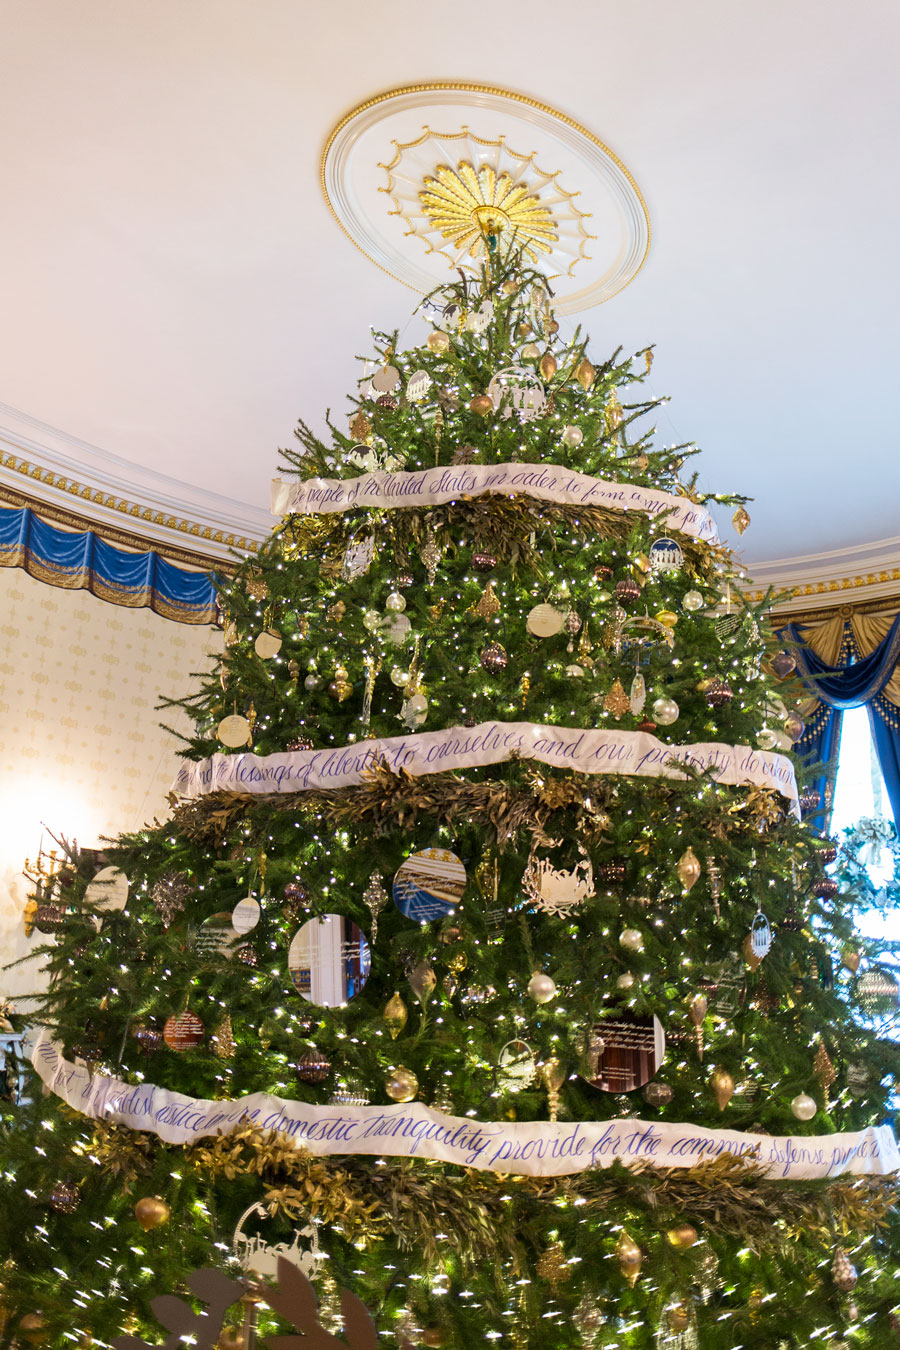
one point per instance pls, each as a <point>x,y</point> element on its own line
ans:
<point>413,1201</point>
<point>386,800</point>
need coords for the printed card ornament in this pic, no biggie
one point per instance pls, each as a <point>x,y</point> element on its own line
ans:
<point>517,389</point>
<point>358,557</point>
<point>108,889</point>
<point>554,890</point>
<point>417,385</point>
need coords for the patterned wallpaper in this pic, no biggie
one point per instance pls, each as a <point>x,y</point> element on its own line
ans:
<point>83,749</point>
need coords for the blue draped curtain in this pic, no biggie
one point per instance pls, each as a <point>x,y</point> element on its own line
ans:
<point>81,560</point>
<point>854,681</point>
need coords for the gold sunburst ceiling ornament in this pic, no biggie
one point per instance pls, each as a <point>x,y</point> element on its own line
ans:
<point>467,205</point>
<point>495,192</point>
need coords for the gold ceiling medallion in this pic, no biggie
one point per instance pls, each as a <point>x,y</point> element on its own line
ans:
<point>495,191</point>
<point>418,202</point>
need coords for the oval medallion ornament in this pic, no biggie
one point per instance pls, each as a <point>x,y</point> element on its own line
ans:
<point>267,644</point>
<point>245,914</point>
<point>666,556</point>
<point>429,885</point>
<point>420,177</point>
<point>516,1066</point>
<point>234,731</point>
<point>107,889</point>
<point>624,1052</point>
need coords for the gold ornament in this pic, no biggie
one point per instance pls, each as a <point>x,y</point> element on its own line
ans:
<point>697,1009</point>
<point>423,981</point>
<point>547,366</point>
<point>395,1015</point>
<point>678,1317</point>
<point>667,617</point>
<point>33,1328</point>
<point>524,689</point>
<point>613,414</point>
<point>553,1266</point>
<point>433,1336</point>
<point>688,868</point>
<point>648,359</point>
<point>222,1039</point>
<point>488,605</point>
<point>823,1069</point>
<point>585,374</point>
<point>617,701</point>
<point>151,1212</point>
<point>553,1075</point>
<point>850,961</point>
<point>334,613</point>
<point>682,1236</point>
<point>630,1257</point>
<point>361,429</point>
<point>438,342</point>
<point>482,404</point>
<point>740,520</point>
<point>722,1085</point>
<point>230,1338</point>
<point>402,1085</point>
<point>749,955</point>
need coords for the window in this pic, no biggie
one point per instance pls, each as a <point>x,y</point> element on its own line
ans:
<point>860,794</point>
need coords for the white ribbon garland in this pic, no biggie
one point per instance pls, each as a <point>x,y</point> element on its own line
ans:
<point>526,1148</point>
<point>589,751</point>
<point>429,487</point>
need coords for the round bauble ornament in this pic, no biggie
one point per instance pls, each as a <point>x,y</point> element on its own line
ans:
<point>151,1212</point>
<point>149,1038</point>
<point>483,561</point>
<point>438,342</point>
<point>267,644</point>
<point>827,888</point>
<point>722,1086</point>
<point>541,987</point>
<point>575,671</point>
<point>510,286</point>
<point>395,603</point>
<point>632,939</point>
<point>843,1272</point>
<point>718,693</point>
<point>48,918</point>
<point>692,601</point>
<point>402,1085</point>
<point>794,728</point>
<point>33,1327</point>
<point>311,681</point>
<point>371,619</point>
<point>400,677</point>
<point>247,954</point>
<point>530,352</point>
<point>766,738</point>
<point>65,1197</point>
<point>630,1257</point>
<point>233,731</point>
<point>494,657</point>
<point>682,1236</point>
<point>658,1094</point>
<point>665,711</point>
<point>625,980</point>
<point>572,437</point>
<point>313,1067</point>
<point>627,591</point>
<point>482,405</point>
<point>184,1032</point>
<point>667,617</point>
<point>784,664</point>
<point>545,621</point>
<point>803,1106</point>
<point>827,853</point>
<point>433,1336</point>
<point>588,1316</point>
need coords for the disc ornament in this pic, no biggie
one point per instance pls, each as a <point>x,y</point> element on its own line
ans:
<point>429,885</point>
<point>545,621</point>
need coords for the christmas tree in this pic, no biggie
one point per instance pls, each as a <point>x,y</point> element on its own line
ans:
<point>485,961</point>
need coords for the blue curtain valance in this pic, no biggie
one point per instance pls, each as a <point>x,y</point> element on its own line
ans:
<point>83,561</point>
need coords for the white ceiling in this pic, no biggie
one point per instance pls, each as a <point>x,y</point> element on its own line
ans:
<point>174,290</point>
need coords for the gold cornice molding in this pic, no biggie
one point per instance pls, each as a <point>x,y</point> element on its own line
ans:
<point>130,539</point>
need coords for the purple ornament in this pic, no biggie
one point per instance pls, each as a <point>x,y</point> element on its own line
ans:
<point>784,664</point>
